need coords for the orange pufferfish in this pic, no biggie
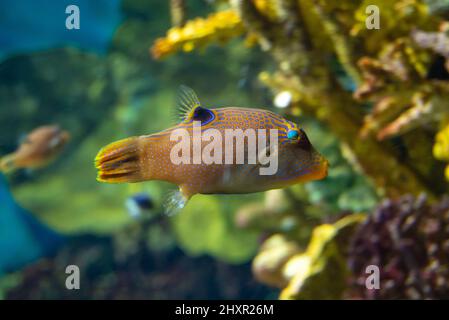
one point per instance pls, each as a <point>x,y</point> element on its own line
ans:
<point>147,157</point>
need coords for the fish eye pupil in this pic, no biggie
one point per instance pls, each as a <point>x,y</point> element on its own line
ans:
<point>293,134</point>
<point>198,111</point>
<point>204,115</point>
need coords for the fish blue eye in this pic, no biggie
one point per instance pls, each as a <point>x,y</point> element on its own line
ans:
<point>204,115</point>
<point>292,134</point>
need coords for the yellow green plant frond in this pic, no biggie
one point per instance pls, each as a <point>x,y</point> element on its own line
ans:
<point>199,32</point>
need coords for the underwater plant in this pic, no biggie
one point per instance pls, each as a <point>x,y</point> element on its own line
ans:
<point>441,147</point>
<point>408,239</point>
<point>197,33</point>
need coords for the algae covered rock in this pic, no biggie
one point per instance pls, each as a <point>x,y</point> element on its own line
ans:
<point>320,272</point>
<point>273,255</point>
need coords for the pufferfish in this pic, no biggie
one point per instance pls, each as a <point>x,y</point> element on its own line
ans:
<point>147,157</point>
<point>40,147</point>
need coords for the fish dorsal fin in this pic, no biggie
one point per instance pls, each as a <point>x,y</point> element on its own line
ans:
<point>187,101</point>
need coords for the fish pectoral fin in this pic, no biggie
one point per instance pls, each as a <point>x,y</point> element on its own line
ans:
<point>175,202</point>
<point>186,102</point>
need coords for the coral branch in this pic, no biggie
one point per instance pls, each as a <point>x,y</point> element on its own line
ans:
<point>197,33</point>
<point>343,47</point>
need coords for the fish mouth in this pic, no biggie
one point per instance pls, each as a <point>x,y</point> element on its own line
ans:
<point>319,171</point>
<point>322,170</point>
<point>316,172</point>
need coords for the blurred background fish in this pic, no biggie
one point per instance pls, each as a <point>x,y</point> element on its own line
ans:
<point>37,149</point>
<point>139,204</point>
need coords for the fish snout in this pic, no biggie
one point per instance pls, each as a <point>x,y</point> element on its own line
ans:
<point>324,168</point>
<point>321,166</point>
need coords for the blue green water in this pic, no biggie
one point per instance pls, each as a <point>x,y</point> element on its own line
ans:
<point>46,19</point>
<point>23,239</point>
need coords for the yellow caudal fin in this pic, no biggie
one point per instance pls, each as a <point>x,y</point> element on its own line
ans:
<point>119,162</point>
<point>7,164</point>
